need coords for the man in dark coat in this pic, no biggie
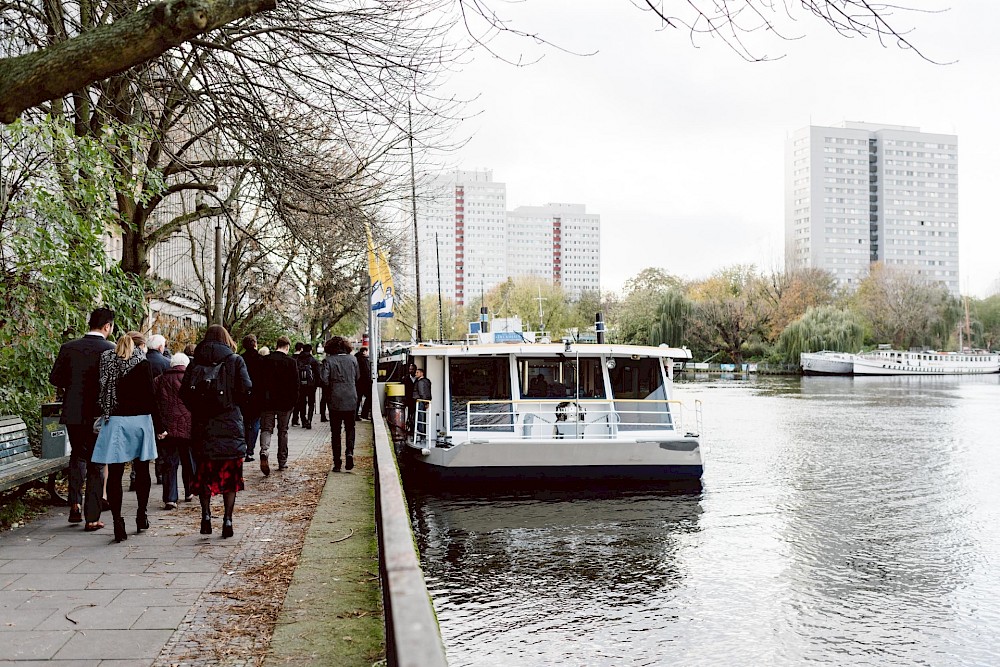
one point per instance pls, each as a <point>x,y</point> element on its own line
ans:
<point>279,395</point>
<point>251,409</point>
<point>158,361</point>
<point>75,373</point>
<point>364,384</point>
<point>295,358</point>
<point>411,402</point>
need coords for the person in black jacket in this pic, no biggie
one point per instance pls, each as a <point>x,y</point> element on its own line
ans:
<point>251,410</point>
<point>127,434</point>
<point>75,372</point>
<point>279,395</point>
<point>217,436</point>
<point>308,369</point>
<point>364,409</point>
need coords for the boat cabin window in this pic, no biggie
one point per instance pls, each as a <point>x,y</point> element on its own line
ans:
<point>560,377</point>
<point>479,382</point>
<point>639,394</point>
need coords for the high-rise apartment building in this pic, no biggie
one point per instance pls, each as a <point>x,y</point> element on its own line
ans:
<point>464,221</point>
<point>861,193</point>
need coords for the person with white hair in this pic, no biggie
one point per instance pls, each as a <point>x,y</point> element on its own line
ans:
<point>158,361</point>
<point>172,421</point>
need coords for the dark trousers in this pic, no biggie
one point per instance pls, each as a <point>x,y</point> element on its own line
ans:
<point>324,402</point>
<point>251,428</point>
<point>342,420</point>
<point>364,408</point>
<point>305,407</point>
<point>176,452</point>
<point>142,485</point>
<point>81,440</point>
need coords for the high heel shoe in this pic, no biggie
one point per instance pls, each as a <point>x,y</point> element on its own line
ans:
<point>120,533</point>
<point>141,523</point>
<point>227,527</point>
<point>206,525</point>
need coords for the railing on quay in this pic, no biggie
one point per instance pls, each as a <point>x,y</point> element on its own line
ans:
<point>412,635</point>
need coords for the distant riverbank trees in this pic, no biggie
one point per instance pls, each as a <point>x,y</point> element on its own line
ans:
<point>741,313</point>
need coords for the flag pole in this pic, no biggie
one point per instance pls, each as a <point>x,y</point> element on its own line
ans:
<point>416,241</point>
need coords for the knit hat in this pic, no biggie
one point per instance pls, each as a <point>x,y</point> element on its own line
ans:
<point>179,359</point>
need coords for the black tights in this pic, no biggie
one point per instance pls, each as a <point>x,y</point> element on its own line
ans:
<point>142,485</point>
<point>228,500</point>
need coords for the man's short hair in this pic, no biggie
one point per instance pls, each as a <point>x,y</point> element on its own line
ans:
<point>100,317</point>
<point>282,341</point>
<point>298,347</point>
<point>308,347</point>
<point>249,342</point>
<point>155,342</point>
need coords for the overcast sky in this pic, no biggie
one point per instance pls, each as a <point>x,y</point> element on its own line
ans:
<point>680,148</point>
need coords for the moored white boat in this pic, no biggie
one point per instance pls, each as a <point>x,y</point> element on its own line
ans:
<point>559,412</point>
<point>827,363</point>
<point>896,362</point>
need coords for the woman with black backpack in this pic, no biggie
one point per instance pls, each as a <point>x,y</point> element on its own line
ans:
<point>214,386</point>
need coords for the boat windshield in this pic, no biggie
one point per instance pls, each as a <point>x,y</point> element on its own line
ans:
<point>639,393</point>
<point>481,379</point>
<point>560,377</point>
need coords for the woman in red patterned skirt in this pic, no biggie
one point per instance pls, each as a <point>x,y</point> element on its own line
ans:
<point>217,425</point>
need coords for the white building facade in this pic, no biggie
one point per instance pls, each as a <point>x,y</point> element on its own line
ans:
<point>464,229</point>
<point>861,193</point>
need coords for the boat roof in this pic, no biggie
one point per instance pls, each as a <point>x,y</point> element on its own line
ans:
<point>548,350</point>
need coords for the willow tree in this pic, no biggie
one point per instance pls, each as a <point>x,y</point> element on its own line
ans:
<point>821,328</point>
<point>672,320</point>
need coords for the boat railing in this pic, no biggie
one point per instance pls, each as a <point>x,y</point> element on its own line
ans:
<point>545,419</point>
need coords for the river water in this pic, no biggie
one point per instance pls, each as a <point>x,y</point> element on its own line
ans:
<point>841,521</point>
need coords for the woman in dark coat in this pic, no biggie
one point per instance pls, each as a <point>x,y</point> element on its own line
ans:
<point>218,437</point>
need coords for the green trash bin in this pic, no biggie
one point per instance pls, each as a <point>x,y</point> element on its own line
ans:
<point>55,440</point>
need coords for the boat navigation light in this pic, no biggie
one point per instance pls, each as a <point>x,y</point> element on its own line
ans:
<point>611,364</point>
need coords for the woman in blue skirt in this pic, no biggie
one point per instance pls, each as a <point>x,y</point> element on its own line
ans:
<point>126,425</point>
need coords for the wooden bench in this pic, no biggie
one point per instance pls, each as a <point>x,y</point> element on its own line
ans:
<point>20,469</point>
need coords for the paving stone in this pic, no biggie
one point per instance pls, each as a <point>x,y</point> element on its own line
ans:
<point>8,579</point>
<point>39,566</point>
<point>22,619</point>
<point>52,663</point>
<point>28,551</point>
<point>69,599</point>
<point>32,645</point>
<point>14,598</point>
<point>161,618</point>
<point>154,597</point>
<point>86,617</point>
<point>114,644</point>
<point>118,566</point>
<point>51,582</point>
<point>131,580</point>
<point>198,564</point>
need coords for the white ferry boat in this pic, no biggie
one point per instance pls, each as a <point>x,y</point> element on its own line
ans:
<point>895,362</point>
<point>827,363</point>
<point>553,411</point>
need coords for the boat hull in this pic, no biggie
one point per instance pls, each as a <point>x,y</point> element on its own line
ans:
<point>673,459</point>
<point>827,363</point>
<point>892,362</point>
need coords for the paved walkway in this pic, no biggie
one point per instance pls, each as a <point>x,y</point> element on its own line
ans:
<point>171,596</point>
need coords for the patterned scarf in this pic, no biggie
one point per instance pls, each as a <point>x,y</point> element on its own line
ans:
<point>111,369</point>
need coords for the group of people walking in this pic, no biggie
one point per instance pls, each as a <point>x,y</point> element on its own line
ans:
<point>201,410</point>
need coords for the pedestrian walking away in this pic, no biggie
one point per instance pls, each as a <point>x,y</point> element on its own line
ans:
<point>126,425</point>
<point>214,387</point>
<point>76,374</point>
<point>309,378</point>
<point>172,421</point>
<point>251,410</point>
<point>340,371</point>
<point>279,395</point>
<point>364,408</point>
